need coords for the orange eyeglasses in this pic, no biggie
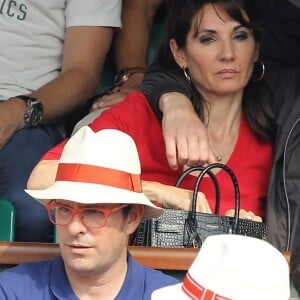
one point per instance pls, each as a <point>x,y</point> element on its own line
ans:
<point>91,217</point>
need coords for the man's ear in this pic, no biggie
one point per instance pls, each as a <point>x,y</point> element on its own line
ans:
<point>134,217</point>
<point>178,54</point>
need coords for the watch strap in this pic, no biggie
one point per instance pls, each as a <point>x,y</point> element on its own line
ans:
<point>132,70</point>
<point>124,74</point>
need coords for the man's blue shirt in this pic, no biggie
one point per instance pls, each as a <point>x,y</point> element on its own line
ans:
<point>48,280</point>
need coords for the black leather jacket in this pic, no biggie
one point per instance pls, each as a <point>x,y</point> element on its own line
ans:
<point>283,202</point>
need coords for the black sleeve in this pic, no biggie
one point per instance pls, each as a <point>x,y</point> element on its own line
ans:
<point>280,42</point>
<point>283,82</point>
<point>280,51</point>
<point>158,81</point>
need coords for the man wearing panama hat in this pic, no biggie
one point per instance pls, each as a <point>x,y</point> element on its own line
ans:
<point>233,267</point>
<point>96,202</point>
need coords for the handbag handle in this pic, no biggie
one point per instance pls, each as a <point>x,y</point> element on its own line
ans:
<point>191,221</point>
<point>215,182</point>
<point>235,186</point>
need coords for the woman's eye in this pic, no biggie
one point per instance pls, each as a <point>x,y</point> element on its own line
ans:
<point>241,36</point>
<point>206,39</point>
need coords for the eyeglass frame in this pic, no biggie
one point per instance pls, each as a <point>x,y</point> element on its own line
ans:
<point>78,211</point>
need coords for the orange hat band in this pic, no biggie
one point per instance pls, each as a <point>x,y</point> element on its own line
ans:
<point>99,175</point>
<point>197,292</point>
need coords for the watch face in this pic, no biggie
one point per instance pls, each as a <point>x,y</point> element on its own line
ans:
<point>37,114</point>
<point>121,77</point>
<point>34,113</point>
<point>124,74</point>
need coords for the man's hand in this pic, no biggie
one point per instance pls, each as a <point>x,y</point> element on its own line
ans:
<point>117,96</point>
<point>119,92</point>
<point>185,135</point>
<point>11,118</point>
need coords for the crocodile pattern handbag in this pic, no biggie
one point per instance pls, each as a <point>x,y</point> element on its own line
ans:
<point>178,228</point>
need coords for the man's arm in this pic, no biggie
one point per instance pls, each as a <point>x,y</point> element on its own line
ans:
<point>85,49</point>
<point>185,135</point>
<point>131,46</point>
<point>132,41</point>
<point>159,81</point>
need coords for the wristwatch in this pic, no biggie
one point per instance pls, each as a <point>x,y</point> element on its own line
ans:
<point>34,112</point>
<point>124,74</point>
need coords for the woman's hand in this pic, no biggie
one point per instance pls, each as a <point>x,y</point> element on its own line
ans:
<point>177,198</point>
<point>185,135</point>
<point>244,214</point>
<point>173,197</point>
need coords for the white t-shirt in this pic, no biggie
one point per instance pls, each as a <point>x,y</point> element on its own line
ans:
<point>32,34</point>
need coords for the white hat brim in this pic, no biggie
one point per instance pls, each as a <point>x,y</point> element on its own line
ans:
<point>170,292</point>
<point>89,193</point>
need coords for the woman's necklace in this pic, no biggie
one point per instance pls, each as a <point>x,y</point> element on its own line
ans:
<point>218,157</point>
<point>227,143</point>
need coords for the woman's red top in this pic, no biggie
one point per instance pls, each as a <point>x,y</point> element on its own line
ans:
<point>251,159</point>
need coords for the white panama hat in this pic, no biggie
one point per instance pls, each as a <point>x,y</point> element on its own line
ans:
<point>99,167</point>
<point>233,267</point>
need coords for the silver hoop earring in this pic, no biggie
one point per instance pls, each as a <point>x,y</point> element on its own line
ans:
<point>262,70</point>
<point>187,76</point>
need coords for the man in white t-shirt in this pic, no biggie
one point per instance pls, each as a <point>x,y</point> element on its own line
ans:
<point>51,57</point>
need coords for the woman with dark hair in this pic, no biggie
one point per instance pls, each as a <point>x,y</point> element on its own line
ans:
<point>254,102</point>
<point>269,105</point>
<point>214,43</point>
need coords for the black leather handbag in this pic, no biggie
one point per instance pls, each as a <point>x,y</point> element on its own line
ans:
<point>178,228</point>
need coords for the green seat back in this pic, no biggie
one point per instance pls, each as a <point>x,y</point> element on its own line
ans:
<point>55,235</point>
<point>154,41</point>
<point>7,221</point>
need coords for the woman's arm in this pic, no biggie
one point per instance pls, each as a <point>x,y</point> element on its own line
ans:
<point>43,175</point>
<point>177,198</point>
<point>173,197</point>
